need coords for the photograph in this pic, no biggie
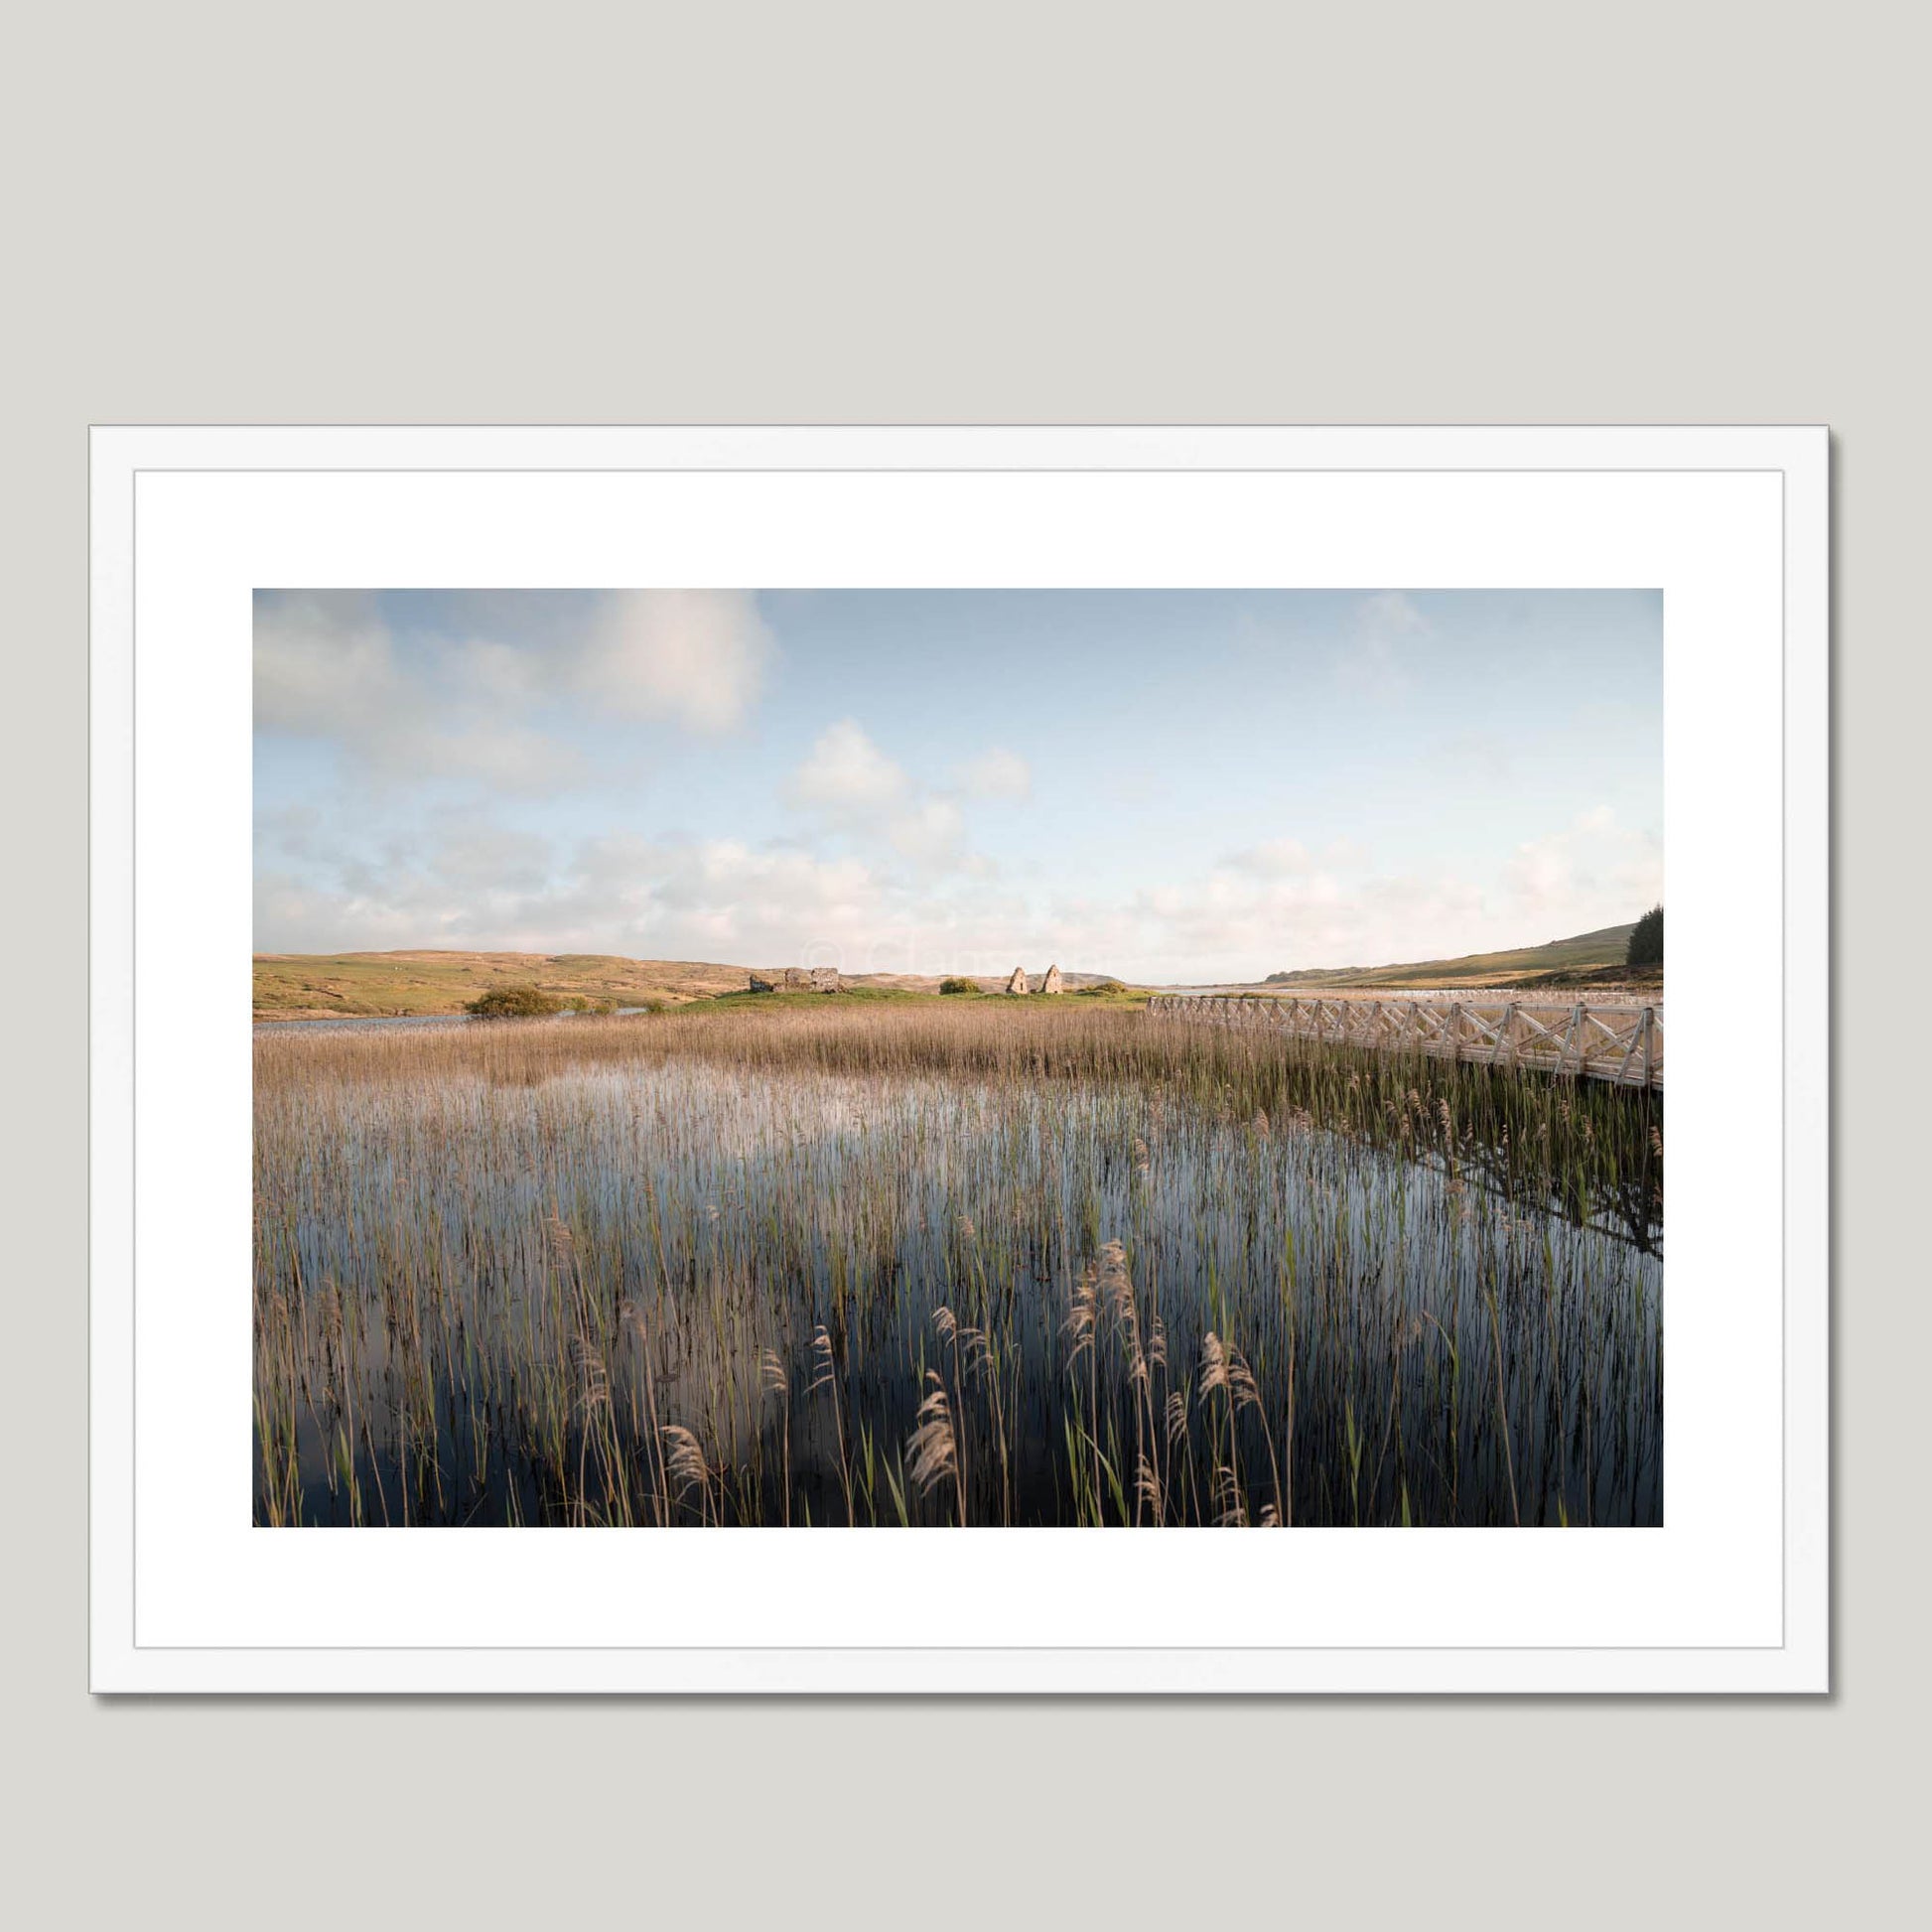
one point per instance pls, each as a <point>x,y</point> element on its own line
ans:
<point>942,749</point>
<point>786,1059</point>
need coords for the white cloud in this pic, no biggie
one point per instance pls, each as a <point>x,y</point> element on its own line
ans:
<point>325,664</point>
<point>1344,854</point>
<point>719,899</point>
<point>1273,858</point>
<point>1593,873</point>
<point>1242,925</point>
<point>911,900</point>
<point>503,706</point>
<point>996,773</point>
<point>931,833</point>
<point>696,658</point>
<point>726,873</point>
<point>491,676</point>
<point>494,859</point>
<point>1277,906</point>
<point>328,666</point>
<point>502,758</point>
<point>847,777</point>
<point>848,785</point>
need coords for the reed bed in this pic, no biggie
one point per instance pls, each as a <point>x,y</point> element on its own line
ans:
<point>981,1264</point>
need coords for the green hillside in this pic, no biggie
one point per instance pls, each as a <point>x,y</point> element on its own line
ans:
<point>1586,956</point>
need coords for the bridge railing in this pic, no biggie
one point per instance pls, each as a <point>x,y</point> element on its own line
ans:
<point>1581,1040</point>
<point>1444,995</point>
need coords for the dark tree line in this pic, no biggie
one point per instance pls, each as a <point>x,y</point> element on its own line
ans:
<point>1647,940</point>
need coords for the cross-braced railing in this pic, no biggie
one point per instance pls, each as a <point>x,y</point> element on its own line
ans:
<point>1621,1043</point>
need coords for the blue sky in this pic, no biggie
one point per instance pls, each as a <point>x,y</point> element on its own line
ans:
<point>1169,786</point>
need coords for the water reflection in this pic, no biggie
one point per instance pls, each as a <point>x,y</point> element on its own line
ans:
<point>694,1294</point>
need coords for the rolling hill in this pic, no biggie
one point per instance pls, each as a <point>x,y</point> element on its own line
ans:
<point>1586,956</point>
<point>308,986</point>
<point>316,985</point>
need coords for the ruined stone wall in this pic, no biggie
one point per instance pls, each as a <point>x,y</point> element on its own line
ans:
<point>801,979</point>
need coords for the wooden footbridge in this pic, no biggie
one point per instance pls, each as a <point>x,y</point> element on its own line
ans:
<point>1623,1042</point>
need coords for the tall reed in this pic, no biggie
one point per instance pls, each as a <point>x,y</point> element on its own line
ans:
<point>1005,1264</point>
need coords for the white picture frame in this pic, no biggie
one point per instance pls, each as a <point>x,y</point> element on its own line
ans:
<point>1730,1595</point>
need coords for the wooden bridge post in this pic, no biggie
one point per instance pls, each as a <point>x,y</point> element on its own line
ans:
<point>1575,1041</point>
<point>1506,1035</point>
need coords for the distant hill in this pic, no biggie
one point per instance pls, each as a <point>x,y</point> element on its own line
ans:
<point>1576,961</point>
<point>314,985</point>
<point>307,985</point>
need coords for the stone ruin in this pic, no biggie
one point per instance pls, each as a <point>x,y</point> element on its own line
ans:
<point>1019,984</point>
<point>800,979</point>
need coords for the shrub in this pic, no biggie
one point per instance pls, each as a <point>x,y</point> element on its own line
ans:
<point>1647,940</point>
<point>1100,988</point>
<point>957,986</point>
<point>515,1002</point>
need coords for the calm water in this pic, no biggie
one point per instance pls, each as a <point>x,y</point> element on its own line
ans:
<point>362,1023</point>
<point>375,1021</point>
<point>486,1303</point>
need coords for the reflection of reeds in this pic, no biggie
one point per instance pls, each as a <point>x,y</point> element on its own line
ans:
<point>774,1379</point>
<point>1586,1139</point>
<point>826,1376</point>
<point>873,1264</point>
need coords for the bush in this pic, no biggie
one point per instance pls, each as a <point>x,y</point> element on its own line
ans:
<point>515,1002</point>
<point>1647,940</point>
<point>1100,988</point>
<point>957,986</point>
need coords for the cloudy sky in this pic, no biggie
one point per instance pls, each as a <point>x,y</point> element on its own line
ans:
<point>1173,786</point>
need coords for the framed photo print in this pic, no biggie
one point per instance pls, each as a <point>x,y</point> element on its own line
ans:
<point>959,1059</point>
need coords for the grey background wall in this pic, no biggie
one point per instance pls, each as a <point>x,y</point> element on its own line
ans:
<point>1064,214</point>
